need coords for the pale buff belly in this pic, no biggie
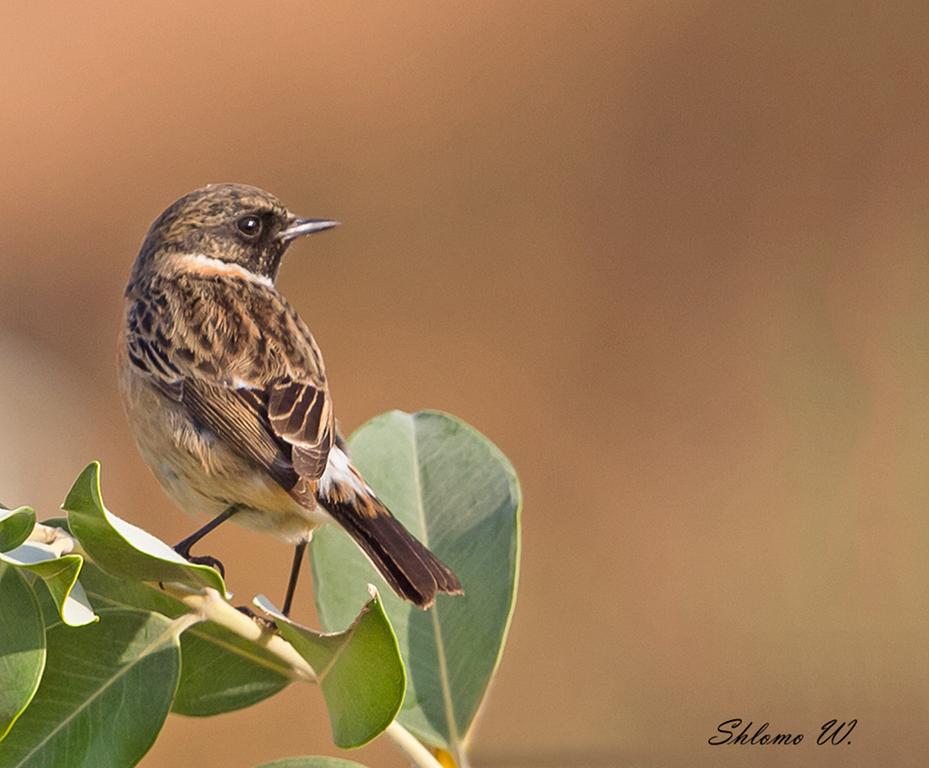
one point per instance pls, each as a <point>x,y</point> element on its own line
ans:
<point>202,475</point>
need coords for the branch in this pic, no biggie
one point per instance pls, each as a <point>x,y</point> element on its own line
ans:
<point>210,606</point>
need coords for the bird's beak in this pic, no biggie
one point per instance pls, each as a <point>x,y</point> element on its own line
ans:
<point>301,227</point>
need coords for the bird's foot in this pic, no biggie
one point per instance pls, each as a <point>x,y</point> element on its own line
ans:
<point>262,621</point>
<point>209,560</point>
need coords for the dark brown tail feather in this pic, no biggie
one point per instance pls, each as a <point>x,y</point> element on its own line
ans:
<point>409,567</point>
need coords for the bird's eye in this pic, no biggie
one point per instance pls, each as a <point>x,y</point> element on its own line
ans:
<point>250,226</point>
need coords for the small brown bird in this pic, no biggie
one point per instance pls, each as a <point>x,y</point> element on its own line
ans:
<point>226,391</point>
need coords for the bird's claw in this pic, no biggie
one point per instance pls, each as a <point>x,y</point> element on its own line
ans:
<point>209,560</point>
<point>262,621</point>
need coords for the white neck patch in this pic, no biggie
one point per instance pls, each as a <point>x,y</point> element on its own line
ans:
<point>207,265</point>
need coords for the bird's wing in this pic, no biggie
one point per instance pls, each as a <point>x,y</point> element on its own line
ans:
<point>243,365</point>
<point>300,412</point>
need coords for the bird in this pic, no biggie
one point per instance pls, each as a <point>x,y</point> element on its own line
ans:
<point>226,393</point>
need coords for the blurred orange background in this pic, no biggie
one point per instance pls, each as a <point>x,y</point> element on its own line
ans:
<point>670,257</point>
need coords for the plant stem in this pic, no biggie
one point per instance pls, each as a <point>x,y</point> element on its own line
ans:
<point>421,757</point>
<point>210,606</point>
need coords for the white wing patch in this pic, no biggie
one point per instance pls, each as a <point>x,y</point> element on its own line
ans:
<point>339,471</point>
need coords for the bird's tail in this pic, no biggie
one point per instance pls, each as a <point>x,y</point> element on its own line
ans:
<point>406,564</point>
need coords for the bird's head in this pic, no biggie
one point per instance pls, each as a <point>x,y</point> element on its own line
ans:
<point>234,224</point>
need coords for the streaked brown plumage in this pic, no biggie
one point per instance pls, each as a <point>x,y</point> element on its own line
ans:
<point>226,389</point>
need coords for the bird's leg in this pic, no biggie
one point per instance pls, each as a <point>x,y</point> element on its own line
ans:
<point>183,546</point>
<point>299,551</point>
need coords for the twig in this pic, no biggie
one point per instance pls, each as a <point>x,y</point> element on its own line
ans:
<point>210,606</point>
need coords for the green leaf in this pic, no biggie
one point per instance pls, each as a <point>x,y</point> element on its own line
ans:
<point>109,592</point>
<point>15,527</point>
<point>104,697</point>
<point>22,647</point>
<point>122,549</point>
<point>312,762</point>
<point>65,598</point>
<point>60,577</point>
<point>455,491</point>
<point>359,670</point>
<point>221,671</point>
